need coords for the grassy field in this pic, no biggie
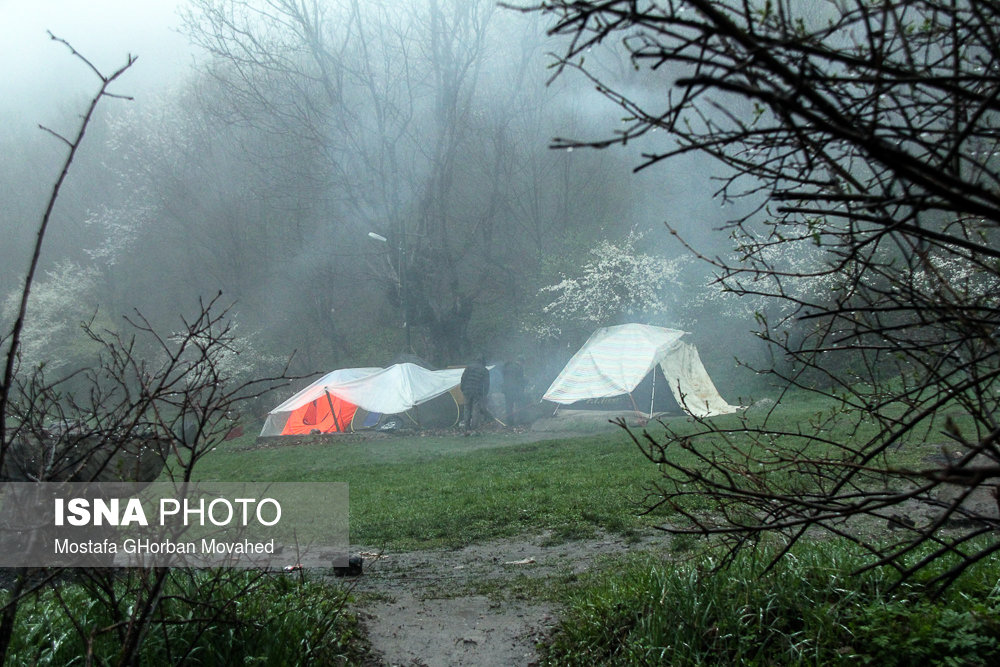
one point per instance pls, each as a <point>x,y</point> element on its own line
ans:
<point>412,491</point>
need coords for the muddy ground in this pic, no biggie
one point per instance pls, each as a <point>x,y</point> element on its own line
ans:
<point>479,605</point>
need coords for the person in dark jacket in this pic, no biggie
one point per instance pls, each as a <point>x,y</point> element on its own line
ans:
<point>475,386</point>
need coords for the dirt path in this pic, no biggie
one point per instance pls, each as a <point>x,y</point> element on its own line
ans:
<point>472,606</point>
<point>467,630</point>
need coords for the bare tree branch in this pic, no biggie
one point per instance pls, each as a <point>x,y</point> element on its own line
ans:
<point>868,135</point>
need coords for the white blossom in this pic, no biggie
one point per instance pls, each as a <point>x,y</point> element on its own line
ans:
<point>234,358</point>
<point>620,280</point>
<point>58,306</point>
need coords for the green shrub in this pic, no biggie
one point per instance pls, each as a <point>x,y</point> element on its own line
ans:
<point>203,618</point>
<point>808,611</point>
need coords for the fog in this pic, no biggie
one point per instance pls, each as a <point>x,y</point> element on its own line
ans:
<point>260,174</point>
<point>41,82</point>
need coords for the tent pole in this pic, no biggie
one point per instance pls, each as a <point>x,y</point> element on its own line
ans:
<point>333,412</point>
<point>652,394</point>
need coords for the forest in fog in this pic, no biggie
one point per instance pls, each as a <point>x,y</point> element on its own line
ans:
<point>360,175</point>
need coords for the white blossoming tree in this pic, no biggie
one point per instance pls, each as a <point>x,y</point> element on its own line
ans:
<point>59,306</point>
<point>620,280</point>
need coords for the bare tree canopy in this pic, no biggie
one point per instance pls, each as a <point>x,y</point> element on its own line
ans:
<point>412,127</point>
<point>863,139</point>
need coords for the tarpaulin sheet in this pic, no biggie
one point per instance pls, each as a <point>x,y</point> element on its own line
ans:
<point>391,390</point>
<point>614,360</point>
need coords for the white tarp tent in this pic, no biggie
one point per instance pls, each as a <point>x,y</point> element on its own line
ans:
<point>329,404</point>
<point>398,388</point>
<point>614,360</point>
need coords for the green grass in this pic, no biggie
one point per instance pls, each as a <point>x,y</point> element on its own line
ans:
<point>808,611</point>
<point>204,618</point>
<point>415,491</point>
<point>428,492</point>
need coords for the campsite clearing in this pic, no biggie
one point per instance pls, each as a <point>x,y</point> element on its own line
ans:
<point>434,491</point>
<point>445,490</point>
<point>482,538</point>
